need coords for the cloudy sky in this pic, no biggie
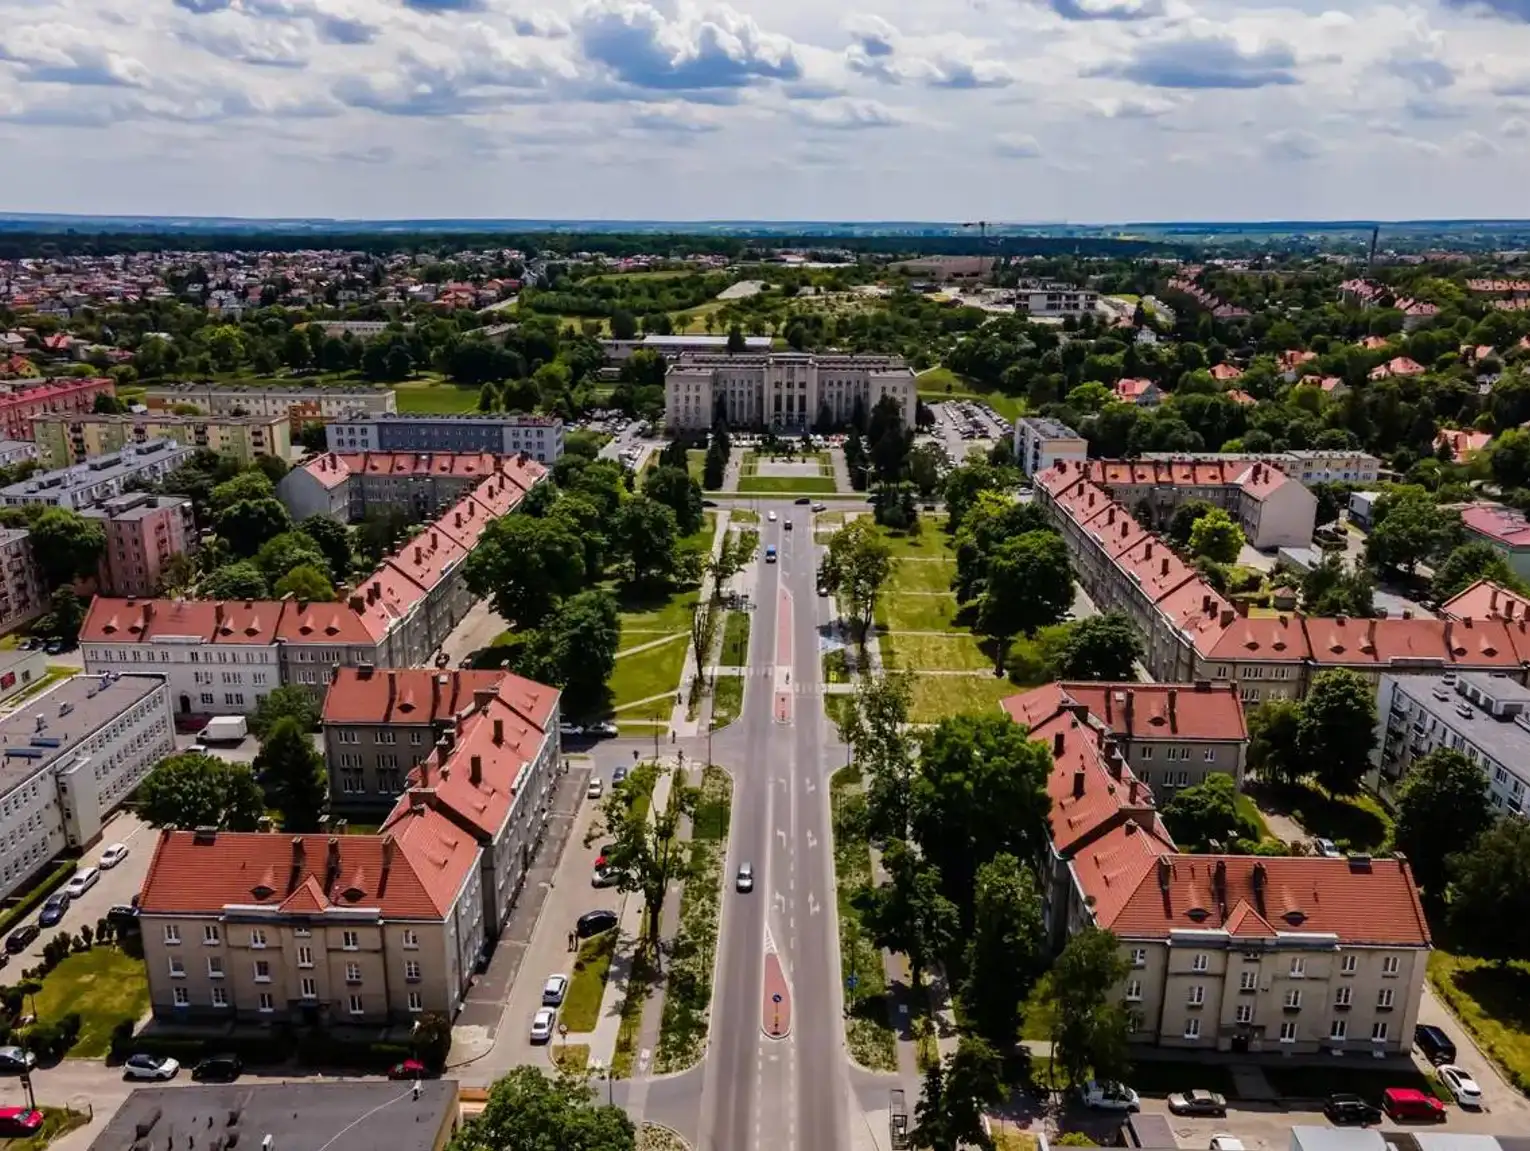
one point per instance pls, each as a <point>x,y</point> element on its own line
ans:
<point>1019,110</point>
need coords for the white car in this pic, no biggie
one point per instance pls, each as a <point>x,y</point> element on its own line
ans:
<point>83,881</point>
<point>1109,1096</point>
<point>745,880</point>
<point>113,855</point>
<point>771,516</point>
<point>542,1025</point>
<point>150,1067</point>
<point>596,789</point>
<point>554,990</point>
<point>1461,1084</point>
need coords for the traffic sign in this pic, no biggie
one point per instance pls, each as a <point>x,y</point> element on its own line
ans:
<point>776,998</point>
<point>852,981</point>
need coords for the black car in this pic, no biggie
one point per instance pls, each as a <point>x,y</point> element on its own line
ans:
<point>1350,1110</point>
<point>218,1069</point>
<point>804,500</point>
<point>1434,1044</point>
<point>20,939</point>
<point>53,910</point>
<point>594,922</point>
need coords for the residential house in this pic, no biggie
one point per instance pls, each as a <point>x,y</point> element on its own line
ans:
<point>1462,444</point>
<point>1505,528</point>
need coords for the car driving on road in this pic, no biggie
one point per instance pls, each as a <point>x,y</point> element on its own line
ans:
<point>745,880</point>
<point>1198,1102</point>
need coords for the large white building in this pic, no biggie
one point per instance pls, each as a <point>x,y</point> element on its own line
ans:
<point>1047,300</point>
<point>792,390</point>
<point>98,478</point>
<point>540,437</point>
<point>1041,441</point>
<point>1307,466</point>
<point>70,756</point>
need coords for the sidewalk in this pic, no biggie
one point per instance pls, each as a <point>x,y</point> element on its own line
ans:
<point>680,722</point>
<point>629,928</point>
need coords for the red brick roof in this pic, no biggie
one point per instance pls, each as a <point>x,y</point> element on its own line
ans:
<point>1110,868</point>
<point>1374,903</point>
<point>413,872</point>
<point>1202,711</point>
<point>1487,600</point>
<point>404,695</point>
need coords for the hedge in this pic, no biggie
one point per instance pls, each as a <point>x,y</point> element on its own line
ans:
<point>55,879</point>
<point>312,1049</point>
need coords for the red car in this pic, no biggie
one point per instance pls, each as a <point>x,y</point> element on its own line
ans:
<point>20,1121</point>
<point>408,1069</point>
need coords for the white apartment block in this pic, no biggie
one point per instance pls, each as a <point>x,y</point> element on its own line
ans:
<point>1055,301</point>
<point>538,437</point>
<point>1040,442</point>
<point>71,756</point>
<point>225,399</point>
<point>99,478</point>
<point>21,591</point>
<point>789,390</point>
<point>1307,466</point>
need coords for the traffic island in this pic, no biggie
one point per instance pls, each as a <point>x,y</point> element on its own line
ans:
<point>776,1014</point>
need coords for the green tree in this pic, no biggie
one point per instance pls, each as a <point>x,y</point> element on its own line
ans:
<point>236,581</point>
<point>1090,1028</point>
<point>248,524</point>
<point>290,701</point>
<point>193,790</point>
<point>575,651</point>
<point>1489,896</point>
<point>949,1115</point>
<point>909,913</point>
<point>1029,585</point>
<point>250,485</point>
<point>1216,537</point>
<point>924,467</point>
<point>646,534</point>
<point>1182,523</point>
<point>334,540</point>
<point>225,345</point>
<point>1207,813</point>
<point>65,614</point>
<point>1410,528</point>
<point>291,772</point>
<point>1469,563</point>
<point>674,488</point>
<point>1332,589</point>
<point>963,484</point>
<point>1442,808</point>
<point>1509,458</point>
<point>645,853</point>
<point>525,566</point>
<point>1006,950</point>
<point>623,325</point>
<point>528,1111</point>
<point>66,546</point>
<point>1337,729</point>
<point>1100,647</point>
<point>877,730</point>
<point>1272,746</point>
<point>280,554</point>
<point>991,520</point>
<point>855,566</point>
<point>980,790</point>
<point>736,343</point>
<point>297,354</point>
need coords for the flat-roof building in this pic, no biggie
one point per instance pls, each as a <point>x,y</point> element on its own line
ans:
<point>788,390</point>
<point>67,438</point>
<point>672,347</point>
<point>1041,441</point>
<point>97,479</point>
<point>326,403</point>
<point>540,437</point>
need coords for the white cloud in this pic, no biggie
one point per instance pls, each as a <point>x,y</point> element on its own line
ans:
<point>1017,146</point>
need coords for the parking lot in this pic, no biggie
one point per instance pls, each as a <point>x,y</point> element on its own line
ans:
<point>962,427</point>
<point>116,886</point>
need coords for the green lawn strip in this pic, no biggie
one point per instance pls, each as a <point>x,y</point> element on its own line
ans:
<point>57,1122</point>
<point>1493,1003</point>
<point>921,576</point>
<point>838,707</point>
<point>571,1057</point>
<point>930,540</point>
<point>939,696</point>
<point>639,987</point>
<point>867,1030</point>
<point>587,983</point>
<point>919,613</point>
<point>646,674</point>
<point>791,485</point>
<point>836,668</point>
<point>735,640</point>
<point>727,699</point>
<point>696,463</point>
<point>104,986</point>
<point>1247,810</point>
<point>940,384</point>
<point>688,983</point>
<point>640,637</point>
<point>934,652</point>
<point>661,614</point>
<point>743,516</point>
<point>436,399</point>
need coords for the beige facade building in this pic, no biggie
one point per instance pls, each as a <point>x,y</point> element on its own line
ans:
<point>232,399</point>
<point>1041,441</point>
<point>22,598</point>
<point>789,390</point>
<point>66,438</point>
<point>1306,466</point>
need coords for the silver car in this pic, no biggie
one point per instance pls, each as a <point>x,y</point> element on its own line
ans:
<point>745,881</point>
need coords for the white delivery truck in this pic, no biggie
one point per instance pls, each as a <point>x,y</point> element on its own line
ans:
<point>224,729</point>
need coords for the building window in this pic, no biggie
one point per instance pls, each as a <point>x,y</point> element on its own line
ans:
<point>1339,1029</point>
<point>220,996</point>
<point>307,988</point>
<point>1201,961</point>
<point>1343,997</point>
<point>262,971</point>
<point>305,956</point>
<point>1294,999</point>
<point>1193,1027</point>
<point>1288,1032</point>
<point>267,1003</point>
<point>211,935</point>
<point>1248,980</point>
<point>350,940</point>
<point>177,968</point>
<point>1347,965</point>
<point>1379,1032</point>
<point>214,967</point>
<point>172,933</point>
<point>1197,995</point>
<point>1245,1013</point>
<point>356,1007</point>
<point>353,973</point>
<point>258,937</point>
<point>1139,957</point>
<point>1211,755</point>
<point>411,938</point>
<point>412,975</point>
<point>416,1001</point>
<point>1390,965</point>
<point>1385,999</point>
<point>181,996</point>
<point>1298,967</point>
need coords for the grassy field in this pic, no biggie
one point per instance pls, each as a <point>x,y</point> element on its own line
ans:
<point>934,652</point>
<point>838,708</point>
<point>1493,1003</point>
<point>940,384</point>
<point>836,668</point>
<point>655,672</point>
<point>1355,823</point>
<point>930,540</point>
<point>735,640</point>
<point>693,321</point>
<point>727,699</point>
<point>868,1032</point>
<point>104,986</point>
<point>939,696</point>
<point>587,983</point>
<point>917,613</point>
<point>785,485</point>
<point>570,1057</point>
<point>436,399</point>
<point>57,1122</point>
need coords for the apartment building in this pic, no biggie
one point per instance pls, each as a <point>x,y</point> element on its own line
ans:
<point>1040,442</point>
<point>1506,529</point>
<point>13,452</point>
<point>1172,736</point>
<point>19,670</point>
<point>1048,300</point>
<point>1307,466</point>
<point>789,390</point>
<point>81,485</point>
<point>22,596</point>
<point>540,437</point>
<point>942,268</point>
<point>326,403</point>
<point>142,532</point>
<point>1272,509</point>
<point>1191,632</point>
<point>260,927</point>
<point>379,722</point>
<point>346,485</point>
<point>21,404</point>
<point>65,439</point>
<point>71,756</point>
<point>1486,600</point>
<point>1484,717</point>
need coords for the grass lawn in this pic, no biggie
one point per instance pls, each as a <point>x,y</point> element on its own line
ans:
<point>1007,1138</point>
<point>921,575</point>
<point>743,516</point>
<point>57,1122</point>
<point>942,383</point>
<point>693,322</point>
<point>868,1032</point>
<point>649,673</point>
<point>436,399</point>
<point>838,707</point>
<point>1492,1002</point>
<point>695,463</point>
<point>1355,823</point>
<point>661,615</point>
<point>735,641</point>
<point>1247,810</point>
<point>639,985</point>
<point>937,696</point>
<point>930,540</point>
<point>917,613</point>
<point>587,983</point>
<point>570,1057</point>
<point>934,652</point>
<point>836,668</point>
<point>790,485</point>
<point>104,986</point>
<point>727,699</point>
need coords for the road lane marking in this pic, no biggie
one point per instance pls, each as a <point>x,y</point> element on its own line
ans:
<point>812,840</point>
<point>813,904</point>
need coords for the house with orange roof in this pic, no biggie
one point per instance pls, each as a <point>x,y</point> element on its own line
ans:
<point>1374,343</point>
<point>1292,360</point>
<point>1226,373</point>
<point>1239,396</point>
<point>1397,366</point>
<point>1487,600</point>
<point>313,930</point>
<point>346,485</point>
<point>1506,529</point>
<point>1142,393</point>
<point>1461,443</point>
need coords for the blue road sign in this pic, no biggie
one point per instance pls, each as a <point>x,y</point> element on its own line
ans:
<point>776,998</point>
<point>852,981</point>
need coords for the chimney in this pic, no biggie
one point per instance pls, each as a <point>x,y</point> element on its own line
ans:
<point>1057,744</point>
<point>434,543</point>
<point>1407,613</point>
<point>387,852</point>
<point>1165,569</point>
<point>356,603</point>
<point>1493,597</point>
<point>1206,604</point>
<point>298,853</point>
<point>332,863</point>
<point>1131,793</point>
<point>217,616</point>
<point>1078,784</point>
<point>1227,616</point>
<point>1257,879</point>
<point>1173,716</point>
<point>1131,711</point>
<point>148,611</point>
<point>475,769</point>
<point>1147,552</point>
<point>499,732</point>
<point>419,553</point>
<point>1165,870</point>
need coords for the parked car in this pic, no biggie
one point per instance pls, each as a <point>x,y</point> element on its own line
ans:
<point>409,1069</point>
<point>542,1025</point>
<point>603,877</point>
<point>20,1122</point>
<point>618,775</point>
<point>1411,1103</point>
<point>15,1060</point>
<point>53,910</point>
<point>20,939</point>
<point>1198,1102</point>
<point>83,881</point>
<point>1109,1096</point>
<point>143,1066</point>
<point>1326,848</point>
<point>594,922</point>
<point>596,789</point>
<point>218,1069</point>
<point>1434,1044</point>
<point>820,507</point>
<point>1350,1110</point>
<point>554,990</point>
<point>1461,1085</point>
<point>745,881</point>
<point>113,855</point>
<point>55,647</point>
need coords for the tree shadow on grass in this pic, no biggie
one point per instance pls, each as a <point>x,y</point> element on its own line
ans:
<point>1349,822</point>
<point>1503,992</point>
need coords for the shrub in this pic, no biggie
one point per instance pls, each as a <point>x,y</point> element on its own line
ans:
<point>122,1039</point>
<point>1074,1139</point>
<point>432,1041</point>
<point>29,902</point>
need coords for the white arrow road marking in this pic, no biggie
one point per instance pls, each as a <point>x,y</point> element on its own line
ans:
<point>812,840</point>
<point>811,786</point>
<point>813,906</point>
<point>781,831</point>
